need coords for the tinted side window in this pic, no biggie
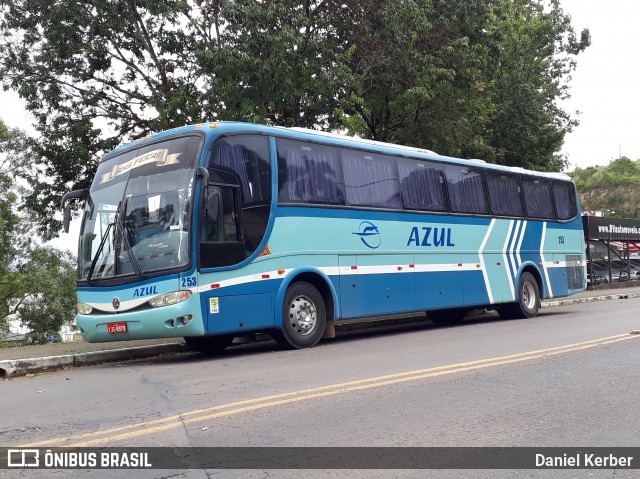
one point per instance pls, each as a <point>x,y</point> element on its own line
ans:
<point>370,179</point>
<point>422,185</point>
<point>308,173</point>
<point>565,196</point>
<point>537,198</point>
<point>466,189</point>
<point>504,194</point>
<point>248,157</point>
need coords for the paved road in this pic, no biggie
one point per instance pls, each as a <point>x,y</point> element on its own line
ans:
<point>567,378</point>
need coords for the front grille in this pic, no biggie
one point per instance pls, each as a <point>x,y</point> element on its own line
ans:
<point>142,307</point>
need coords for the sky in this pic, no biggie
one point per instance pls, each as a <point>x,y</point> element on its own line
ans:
<point>605,87</point>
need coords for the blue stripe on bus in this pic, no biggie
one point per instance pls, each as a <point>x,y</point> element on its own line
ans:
<point>404,216</point>
<point>138,284</point>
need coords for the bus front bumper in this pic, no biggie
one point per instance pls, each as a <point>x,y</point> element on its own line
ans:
<point>178,320</point>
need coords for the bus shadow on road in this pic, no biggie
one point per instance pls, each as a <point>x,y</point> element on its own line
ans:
<point>348,333</point>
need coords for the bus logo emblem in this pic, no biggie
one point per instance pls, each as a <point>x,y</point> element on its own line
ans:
<point>369,234</point>
<point>115,303</point>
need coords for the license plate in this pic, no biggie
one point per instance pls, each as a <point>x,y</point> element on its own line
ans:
<point>117,328</point>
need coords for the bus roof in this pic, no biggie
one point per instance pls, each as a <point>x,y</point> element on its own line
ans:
<point>336,139</point>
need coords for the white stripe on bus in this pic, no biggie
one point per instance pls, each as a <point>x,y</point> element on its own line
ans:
<point>506,260</point>
<point>376,269</point>
<point>519,258</point>
<point>544,262</point>
<point>484,268</point>
<point>512,242</point>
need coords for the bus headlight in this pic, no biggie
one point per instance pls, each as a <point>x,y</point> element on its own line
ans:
<point>84,308</point>
<point>169,298</point>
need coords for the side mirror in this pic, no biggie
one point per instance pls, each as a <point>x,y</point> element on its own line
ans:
<point>203,173</point>
<point>66,211</point>
<point>66,218</point>
<point>213,206</point>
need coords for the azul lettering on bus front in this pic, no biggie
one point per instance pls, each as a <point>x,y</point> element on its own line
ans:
<point>430,236</point>
<point>145,291</point>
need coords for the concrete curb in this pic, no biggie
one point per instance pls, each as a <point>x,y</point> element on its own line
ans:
<point>20,367</point>
<point>590,299</point>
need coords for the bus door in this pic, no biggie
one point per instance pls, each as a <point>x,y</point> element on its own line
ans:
<point>222,244</point>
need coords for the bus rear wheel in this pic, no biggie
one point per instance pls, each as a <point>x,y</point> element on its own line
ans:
<point>209,345</point>
<point>528,301</point>
<point>303,317</point>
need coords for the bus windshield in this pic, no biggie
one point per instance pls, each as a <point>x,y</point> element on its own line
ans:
<point>137,216</point>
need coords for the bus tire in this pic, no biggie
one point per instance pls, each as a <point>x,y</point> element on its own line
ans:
<point>528,303</point>
<point>447,316</point>
<point>303,317</point>
<point>209,345</point>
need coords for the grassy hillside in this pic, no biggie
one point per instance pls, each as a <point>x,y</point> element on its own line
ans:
<point>613,189</point>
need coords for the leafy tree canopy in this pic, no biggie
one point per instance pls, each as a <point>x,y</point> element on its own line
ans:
<point>612,189</point>
<point>470,78</point>
<point>36,282</point>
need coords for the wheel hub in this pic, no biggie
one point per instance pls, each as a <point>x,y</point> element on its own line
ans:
<point>302,315</point>
<point>528,295</point>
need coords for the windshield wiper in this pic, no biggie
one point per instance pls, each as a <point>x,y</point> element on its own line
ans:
<point>103,240</point>
<point>118,225</point>
<point>123,230</point>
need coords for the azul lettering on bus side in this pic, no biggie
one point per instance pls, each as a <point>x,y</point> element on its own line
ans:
<point>430,236</point>
<point>145,291</point>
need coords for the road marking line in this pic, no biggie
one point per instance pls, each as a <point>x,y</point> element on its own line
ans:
<point>238,407</point>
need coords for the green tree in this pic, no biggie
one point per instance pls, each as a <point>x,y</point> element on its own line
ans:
<point>272,62</point>
<point>99,72</point>
<point>49,298</point>
<point>75,62</point>
<point>612,189</point>
<point>535,52</point>
<point>36,282</point>
<point>470,78</point>
<point>11,282</point>
<point>415,73</point>
<point>465,78</point>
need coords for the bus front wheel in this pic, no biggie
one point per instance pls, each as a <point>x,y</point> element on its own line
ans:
<point>209,345</point>
<point>303,317</point>
<point>528,300</point>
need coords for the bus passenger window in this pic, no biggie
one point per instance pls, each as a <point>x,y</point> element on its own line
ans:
<point>504,194</point>
<point>422,186</point>
<point>370,179</point>
<point>309,173</point>
<point>537,198</point>
<point>248,156</point>
<point>466,190</point>
<point>565,196</point>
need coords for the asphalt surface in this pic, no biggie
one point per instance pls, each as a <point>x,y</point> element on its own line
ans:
<point>18,361</point>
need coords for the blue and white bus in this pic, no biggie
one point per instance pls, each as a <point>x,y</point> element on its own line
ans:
<point>218,230</point>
